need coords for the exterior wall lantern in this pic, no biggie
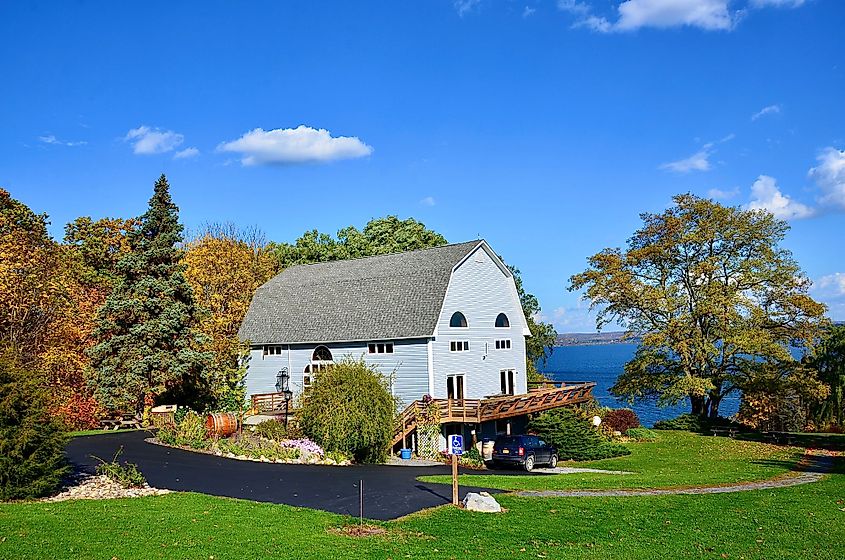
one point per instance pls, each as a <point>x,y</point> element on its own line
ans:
<point>283,387</point>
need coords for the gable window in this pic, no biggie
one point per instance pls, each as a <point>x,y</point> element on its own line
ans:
<point>458,320</point>
<point>321,354</point>
<point>502,321</point>
<point>380,348</point>
<point>503,344</point>
<point>459,346</point>
<point>273,350</point>
<point>506,377</point>
<point>455,387</point>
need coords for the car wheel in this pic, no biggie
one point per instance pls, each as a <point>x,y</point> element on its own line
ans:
<point>529,464</point>
<point>553,462</point>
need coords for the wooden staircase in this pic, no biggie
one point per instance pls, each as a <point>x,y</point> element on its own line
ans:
<point>476,411</point>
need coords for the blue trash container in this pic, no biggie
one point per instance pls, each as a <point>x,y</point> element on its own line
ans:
<point>405,454</point>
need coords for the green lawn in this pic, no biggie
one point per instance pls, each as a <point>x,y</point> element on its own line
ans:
<point>676,459</point>
<point>100,431</point>
<point>799,522</point>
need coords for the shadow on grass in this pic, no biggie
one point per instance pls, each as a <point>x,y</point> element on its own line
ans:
<point>811,463</point>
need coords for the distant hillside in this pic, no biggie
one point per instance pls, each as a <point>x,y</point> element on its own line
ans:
<point>578,339</point>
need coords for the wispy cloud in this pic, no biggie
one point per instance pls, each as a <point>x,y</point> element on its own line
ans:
<point>302,144</point>
<point>699,161</point>
<point>829,175</point>
<point>186,153</point>
<point>768,110</point>
<point>146,140</point>
<point>51,139</point>
<point>463,7</point>
<point>528,11</point>
<point>830,290</point>
<point>766,195</point>
<point>719,194</point>
<point>709,15</point>
<point>428,201</point>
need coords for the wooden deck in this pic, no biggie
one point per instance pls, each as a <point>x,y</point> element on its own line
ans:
<point>475,411</point>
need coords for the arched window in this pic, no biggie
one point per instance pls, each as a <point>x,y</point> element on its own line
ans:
<point>307,378</point>
<point>502,320</point>
<point>321,354</point>
<point>458,320</point>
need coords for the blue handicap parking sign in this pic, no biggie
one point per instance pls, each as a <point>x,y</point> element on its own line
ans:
<point>456,445</point>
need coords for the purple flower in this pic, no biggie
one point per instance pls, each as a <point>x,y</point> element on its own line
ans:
<point>304,445</point>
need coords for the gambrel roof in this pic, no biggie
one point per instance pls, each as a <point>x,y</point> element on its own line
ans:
<point>374,298</point>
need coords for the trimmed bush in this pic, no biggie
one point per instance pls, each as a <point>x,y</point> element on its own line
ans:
<point>641,434</point>
<point>621,420</point>
<point>32,442</point>
<point>574,437</point>
<point>349,408</point>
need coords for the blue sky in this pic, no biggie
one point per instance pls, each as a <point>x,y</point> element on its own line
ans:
<point>543,126</point>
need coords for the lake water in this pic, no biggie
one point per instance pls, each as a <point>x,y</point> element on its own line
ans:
<point>602,364</point>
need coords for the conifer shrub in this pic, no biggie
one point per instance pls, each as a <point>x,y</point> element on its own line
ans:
<point>32,441</point>
<point>621,420</point>
<point>641,434</point>
<point>349,408</point>
<point>574,437</point>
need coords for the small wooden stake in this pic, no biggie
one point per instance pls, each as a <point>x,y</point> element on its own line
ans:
<point>362,504</point>
<point>454,479</point>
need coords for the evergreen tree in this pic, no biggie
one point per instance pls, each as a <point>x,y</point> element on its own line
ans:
<point>32,461</point>
<point>147,341</point>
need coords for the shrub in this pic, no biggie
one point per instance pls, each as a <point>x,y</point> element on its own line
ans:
<point>190,431</point>
<point>349,408</point>
<point>126,474</point>
<point>621,420</point>
<point>271,429</point>
<point>694,423</point>
<point>32,461</point>
<point>257,448</point>
<point>472,458</point>
<point>641,434</point>
<point>574,437</point>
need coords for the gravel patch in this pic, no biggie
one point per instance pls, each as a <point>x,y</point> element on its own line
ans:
<point>100,487</point>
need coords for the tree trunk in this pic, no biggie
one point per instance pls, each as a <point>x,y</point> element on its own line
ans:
<point>715,399</point>
<point>697,402</point>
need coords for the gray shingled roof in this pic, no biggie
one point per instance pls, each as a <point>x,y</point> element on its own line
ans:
<point>381,297</point>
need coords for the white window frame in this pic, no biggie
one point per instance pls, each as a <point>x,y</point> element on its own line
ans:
<point>506,317</point>
<point>277,350</point>
<point>509,381</point>
<point>503,344</point>
<point>386,348</point>
<point>453,377</point>
<point>459,346</point>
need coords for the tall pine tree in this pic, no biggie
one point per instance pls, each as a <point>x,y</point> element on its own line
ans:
<point>147,341</point>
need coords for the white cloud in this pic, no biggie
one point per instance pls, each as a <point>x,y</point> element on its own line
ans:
<point>463,7</point>
<point>719,194</point>
<point>528,11</point>
<point>699,161</point>
<point>831,284</point>
<point>186,153</point>
<point>765,195</point>
<point>51,139</point>
<point>302,144</point>
<point>428,201</point>
<point>146,140</point>
<point>777,3</point>
<point>573,7</point>
<point>829,175</point>
<point>768,110</point>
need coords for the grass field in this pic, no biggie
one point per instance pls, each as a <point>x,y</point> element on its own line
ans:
<point>676,459</point>
<point>798,522</point>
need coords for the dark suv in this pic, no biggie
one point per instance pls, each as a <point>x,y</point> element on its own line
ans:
<point>523,451</point>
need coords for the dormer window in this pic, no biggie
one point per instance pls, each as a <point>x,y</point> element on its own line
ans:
<point>502,321</point>
<point>458,320</point>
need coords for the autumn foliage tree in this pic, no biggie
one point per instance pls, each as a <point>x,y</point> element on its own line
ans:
<point>713,296</point>
<point>147,342</point>
<point>224,266</point>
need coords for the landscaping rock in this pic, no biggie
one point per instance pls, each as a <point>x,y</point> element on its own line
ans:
<point>481,501</point>
<point>100,487</point>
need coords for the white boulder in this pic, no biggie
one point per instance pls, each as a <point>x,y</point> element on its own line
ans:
<point>481,501</point>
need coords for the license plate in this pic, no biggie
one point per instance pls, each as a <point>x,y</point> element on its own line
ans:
<point>506,451</point>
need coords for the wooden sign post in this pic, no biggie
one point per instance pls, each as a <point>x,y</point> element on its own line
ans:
<point>456,449</point>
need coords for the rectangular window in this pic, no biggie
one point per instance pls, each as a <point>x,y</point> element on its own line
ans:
<point>455,387</point>
<point>459,346</point>
<point>380,348</point>
<point>273,350</point>
<point>503,344</point>
<point>506,378</point>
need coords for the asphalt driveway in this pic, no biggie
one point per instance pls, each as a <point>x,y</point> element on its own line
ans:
<point>389,491</point>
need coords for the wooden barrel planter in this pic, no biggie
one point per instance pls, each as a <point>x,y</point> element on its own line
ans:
<point>222,424</point>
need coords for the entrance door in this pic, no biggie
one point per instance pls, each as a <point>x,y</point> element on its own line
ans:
<point>455,387</point>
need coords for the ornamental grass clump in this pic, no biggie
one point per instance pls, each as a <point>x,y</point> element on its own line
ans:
<point>189,431</point>
<point>350,409</point>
